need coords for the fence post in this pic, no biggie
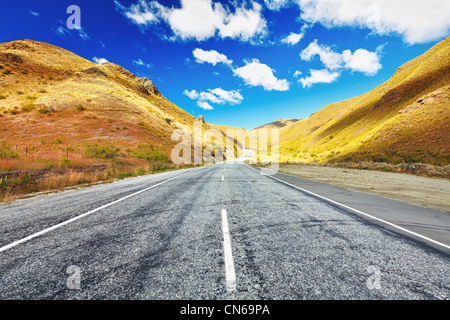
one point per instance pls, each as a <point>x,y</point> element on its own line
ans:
<point>67,152</point>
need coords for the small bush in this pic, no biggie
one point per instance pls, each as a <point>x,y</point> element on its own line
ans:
<point>28,107</point>
<point>19,92</point>
<point>80,108</point>
<point>6,152</point>
<point>6,71</point>
<point>149,153</point>
<point>30,97</point>
<point>169,121</point>
<point>2,97</point>
<point>109,151</point>
<point>58,141</point>
<point>44,110</point>
<point>42,91</point>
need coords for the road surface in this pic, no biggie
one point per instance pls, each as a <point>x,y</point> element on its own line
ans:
<point>219,232</point>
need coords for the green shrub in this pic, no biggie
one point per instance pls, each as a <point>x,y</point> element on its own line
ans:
<point>6,152</point>
<point>6,71</point>
<point>2,96</point>
<point>149,153</point>
<point>109,151</point>
<point>44,110</point>
<point>80,108</point>
<point>28,107</point>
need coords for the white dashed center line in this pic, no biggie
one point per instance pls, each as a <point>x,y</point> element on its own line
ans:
<point>230,274</point>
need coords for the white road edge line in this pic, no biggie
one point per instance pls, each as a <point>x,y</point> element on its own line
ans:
<point>223,178</point>
<point>230,274</point>
<point>358,211</point>
<point>59,225</point>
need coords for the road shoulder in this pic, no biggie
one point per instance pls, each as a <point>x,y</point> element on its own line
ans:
<point>430,223</point>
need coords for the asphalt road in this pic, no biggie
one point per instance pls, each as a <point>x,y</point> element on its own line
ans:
<point>219,232</point>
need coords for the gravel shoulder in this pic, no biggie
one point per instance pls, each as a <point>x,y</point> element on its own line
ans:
<point>426,192</point>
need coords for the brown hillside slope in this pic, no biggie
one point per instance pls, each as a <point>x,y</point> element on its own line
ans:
<point>406,119</point>
<point>50,96</point>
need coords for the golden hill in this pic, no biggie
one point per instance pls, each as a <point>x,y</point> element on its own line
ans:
<point>54,98</point>
<point>406,119</point>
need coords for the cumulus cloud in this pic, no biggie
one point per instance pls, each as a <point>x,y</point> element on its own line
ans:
<point>204,105</point>
<point>200,19</point>
<point>99,60</point>
<point>416,21</point>
<point>255,73</point>
<point>140,13</point>
<point>319,76</point>
<point>361,60</point>
<point>293,38</point>
<point>332,60</point>
<point>217,96</point>
<point>212,56</point>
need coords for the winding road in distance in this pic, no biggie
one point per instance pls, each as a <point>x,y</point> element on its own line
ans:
<point>223,231</point>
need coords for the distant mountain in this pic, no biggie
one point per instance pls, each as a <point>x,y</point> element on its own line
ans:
<point>406,119</point>
<point>278,124</point>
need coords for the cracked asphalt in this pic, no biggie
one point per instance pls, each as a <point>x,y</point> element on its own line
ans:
<point>167,243</point>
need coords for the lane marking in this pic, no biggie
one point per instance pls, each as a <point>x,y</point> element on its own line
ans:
<point>357,211</point>
<point>223,178</point>
<point>59,225</point>
<point>230,274</point>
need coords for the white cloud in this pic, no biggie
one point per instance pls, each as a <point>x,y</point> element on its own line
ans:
<point>218,96</point>
<point>255,73</point>
<point>416,21</point>
<point>204,105</point>
<point>293,38</point>
<point>361,60</point>
<point>192,94</point>
<point>319,76</point>
<point>99,60</point>
<point>231,97</point>
<point>276,4</point>
<point>200,19</point>
<point>140,13</point>
<point>244,24</point>
<point>61,31</point>
<point>212,56</point>
<point>141,63</point>
<point>332,60</point>
<point>33,13</point>
<point>297,74</point>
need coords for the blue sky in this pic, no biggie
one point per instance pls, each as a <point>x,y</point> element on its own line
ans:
<point>242,63</point>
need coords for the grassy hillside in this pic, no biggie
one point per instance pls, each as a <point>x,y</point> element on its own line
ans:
<point>406,119</point>
<point>58,110</point>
